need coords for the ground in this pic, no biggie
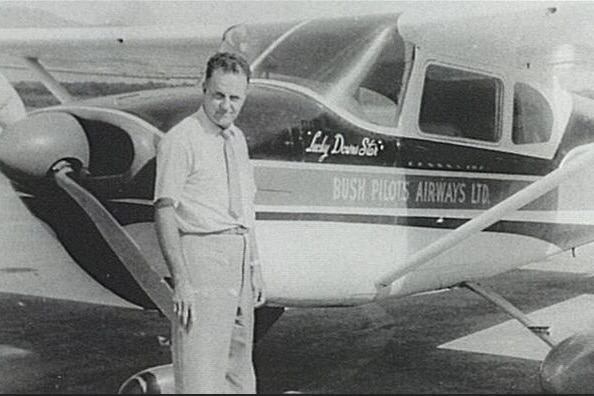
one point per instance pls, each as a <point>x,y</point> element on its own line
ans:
<point>49,346</point>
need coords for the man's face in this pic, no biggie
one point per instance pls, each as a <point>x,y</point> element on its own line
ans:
<point>224,95</point>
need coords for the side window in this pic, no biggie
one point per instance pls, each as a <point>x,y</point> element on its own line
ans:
<point>533,117</point>
<point>461,103</point>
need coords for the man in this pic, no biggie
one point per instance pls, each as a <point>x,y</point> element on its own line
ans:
<point>204,215</point>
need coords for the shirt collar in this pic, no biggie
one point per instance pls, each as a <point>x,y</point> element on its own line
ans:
<point>210,126</point>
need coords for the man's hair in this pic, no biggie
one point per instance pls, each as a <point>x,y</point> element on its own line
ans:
<point>228,63</point>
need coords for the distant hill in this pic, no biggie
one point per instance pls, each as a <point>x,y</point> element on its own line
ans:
<point>19,17</point>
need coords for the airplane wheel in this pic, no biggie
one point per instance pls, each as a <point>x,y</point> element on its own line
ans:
<point>569,366</point>
<point>152,381</point>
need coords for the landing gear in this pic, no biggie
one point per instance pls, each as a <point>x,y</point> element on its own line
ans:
<point>541,332</point>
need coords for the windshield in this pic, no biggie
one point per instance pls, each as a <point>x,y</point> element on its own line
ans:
<point>357,64</point>
<point>252,40</point>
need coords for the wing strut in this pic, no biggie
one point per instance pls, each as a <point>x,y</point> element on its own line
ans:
<point>541,332</point>
<point>580,158</point>
<point>49,81</point>
<point>119,241</point>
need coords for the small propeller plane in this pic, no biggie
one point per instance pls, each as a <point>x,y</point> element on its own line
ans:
<point>394,155</point>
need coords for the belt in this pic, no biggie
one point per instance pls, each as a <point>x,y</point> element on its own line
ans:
<point>231,231</point>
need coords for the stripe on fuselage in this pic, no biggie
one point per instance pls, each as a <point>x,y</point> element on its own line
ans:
<point>419,198</point>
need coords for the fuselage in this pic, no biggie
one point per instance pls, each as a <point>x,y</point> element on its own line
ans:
<point>364,153</point>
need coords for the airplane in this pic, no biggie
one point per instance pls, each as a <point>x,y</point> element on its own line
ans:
<point>394,154</point>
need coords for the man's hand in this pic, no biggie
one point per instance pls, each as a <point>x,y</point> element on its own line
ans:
<point>183,301</point>
<point>258,286</point>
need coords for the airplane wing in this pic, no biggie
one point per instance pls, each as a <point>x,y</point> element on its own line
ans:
<point>135,51</point>
<point>122,40</point>
<point>558,36</point>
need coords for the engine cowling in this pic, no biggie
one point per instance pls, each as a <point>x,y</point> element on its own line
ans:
<point>30,147</point>
<point>109,148</point>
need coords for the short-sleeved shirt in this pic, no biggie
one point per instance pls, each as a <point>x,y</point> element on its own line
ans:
<point>191,170</point>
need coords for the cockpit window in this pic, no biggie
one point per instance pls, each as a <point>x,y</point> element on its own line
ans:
<point>252,40</point>
<point>533,117</point>
<point>460,103</point>
<point>359,66</point>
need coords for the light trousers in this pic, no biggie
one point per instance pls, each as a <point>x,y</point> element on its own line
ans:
<point>215,354</point>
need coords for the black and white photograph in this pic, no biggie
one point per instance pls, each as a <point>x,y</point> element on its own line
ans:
<point>315,197</point>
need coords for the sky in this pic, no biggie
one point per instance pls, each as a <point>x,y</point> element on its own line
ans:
<point>225,12</point>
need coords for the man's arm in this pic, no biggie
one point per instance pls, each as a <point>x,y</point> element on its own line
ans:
<point>170,242</point>
<point>257,280</point>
